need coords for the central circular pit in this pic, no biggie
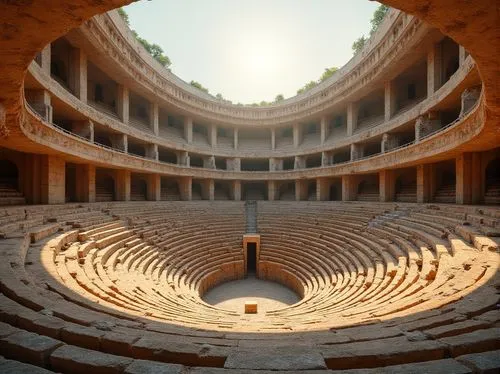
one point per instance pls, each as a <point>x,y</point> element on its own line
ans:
<point>268,295</point>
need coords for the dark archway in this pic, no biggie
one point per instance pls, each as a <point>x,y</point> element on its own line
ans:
<point>138,189</point>
<point>335,194</point>
<point>492,182</point>
<point>9,175</point>
<point>104,187</point>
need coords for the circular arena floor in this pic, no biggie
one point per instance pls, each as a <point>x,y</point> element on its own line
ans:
<point>268,295</point>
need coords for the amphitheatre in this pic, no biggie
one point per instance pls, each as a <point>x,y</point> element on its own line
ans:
<point>127,198</point>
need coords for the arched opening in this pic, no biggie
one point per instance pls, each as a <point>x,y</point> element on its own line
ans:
<point>9,184</point>
<point>70,183</point>
<point>368,189</point>
<point>492,182</point>
<point>287,191</point>
<point>170,190</point>
<point>255,191</point>
<point>445,182</point>
<point>196,191</point>
<point>406,185</point>
<point>311,191</point>
<point>104,186</point>
<point>222,191</point>
<point>138,189</point>
<point>335,193</point>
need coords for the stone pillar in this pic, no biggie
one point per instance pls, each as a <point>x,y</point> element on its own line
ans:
<point>387,185</point>
<point>53,180</point>
<point>209,162</point>
<point>297,135</point>
<point>212,136</point>
<point>233,164</point>
<point>322,189</point>
<point>40,101</point>
<point>469,98</point>
<point>324,129</point>
<point>300,162</point>
<point>463,170</point>
<point>185,188</point>
<point>154,187</point>
<point>352,118</point>
<point>424,184</point>
<point>273,139</point>
<point>272,190</point>
<point>46,56</point>
<point>275,164</point>
<point>123,104</point>
<point>349,188</point>
<point>152,151</point>
<point>236,138</point>
<point>389,141</point>
<point>425,125</point>
<point>188,130</point>
<point>207,189</point>
<point>325,159</point>
<point>301,190</point>
<point>154,118</point>
<point>120,141</point>
<point>390,100</point>
<point>434,69</point>
<point>236,190</point>
<point>78,73</point>
<point>183,158</point>
<point>83,128</point>
<point>85,183</point>
<point>122,185</point>
<point>357,151</point>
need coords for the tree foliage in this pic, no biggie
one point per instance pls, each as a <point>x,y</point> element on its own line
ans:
<point>153,49</point>
<point>328,73</point>
<point>358,44</point>
<point>279,98</point>
<point>199,86</point>
<point>378,17</point>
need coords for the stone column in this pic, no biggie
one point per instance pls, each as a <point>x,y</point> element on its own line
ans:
<point>152,151</point>
<point>233,164</point>
<point>154,187</point>
<point>185,188</point>
<point>390,100</point>
<point>324,129</point>
<point>273,139</point>
<point>325,159</point>
<point>236,190</point>
<point>154,118</point>
<point>463,170</point>
<point>123,104</point>
<point>275,164</point>
<point>236,138</point>
<point>84,128</point>
<point>209,162</point>
<point>272,190</point>
<point>349,188</point>
<point>352,118</point>
<point>301,190</point>
<point>389,141</point>
<point>46,56</point>
<point>212,138</point>
<point>40,101</point>
<point>207,189</point>
<point>300,162</point>
<point>434,69</point>
<point>469,98</point>
<point>424,184</point>
<point>120,141</point>
<point>53,180</point>
<point>188,130</point>
<point>357,151</point>
<point>183,158</point>
<point>85,183</point>
<point>122,185</point>
<point>387,185</point>
<point>78,73</point>
<point>425,125</point>
<point>322,189</point>
<point>297,135</point>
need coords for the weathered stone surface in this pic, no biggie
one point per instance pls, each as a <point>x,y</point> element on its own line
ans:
<point>85,337</point>
<point>71,359</point>
<point>485,362</point>
<point>152,367</point>
<point>28,347</point>
<point>472,342</point>
<point>276,359</point>
<point>429,367</point>
<point>16,367</point>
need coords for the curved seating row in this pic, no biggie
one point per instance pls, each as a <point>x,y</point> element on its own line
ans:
<point>117,288</point>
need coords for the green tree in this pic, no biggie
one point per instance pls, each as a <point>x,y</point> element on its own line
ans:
<point>358,44</point>
<point>307,87</point>
<point>378,17</point>
<point>219,96</point>
<point>198,86</point>
<point>124,15</point>
<point>328,73</point>
<point>279,98</point>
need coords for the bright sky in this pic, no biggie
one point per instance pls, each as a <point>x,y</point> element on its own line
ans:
<point>252,50</point>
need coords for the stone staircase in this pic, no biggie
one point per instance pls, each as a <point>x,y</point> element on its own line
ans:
<point>251,216</point>
<point>10,196</point>
<point>389,216</point>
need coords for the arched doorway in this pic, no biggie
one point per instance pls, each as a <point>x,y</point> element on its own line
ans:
<point>170,190</point>
<point>492,182</point>
<point>104,187</point>
<point>9,184</point>
<point>138,189</point>
<point>335,193</point>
